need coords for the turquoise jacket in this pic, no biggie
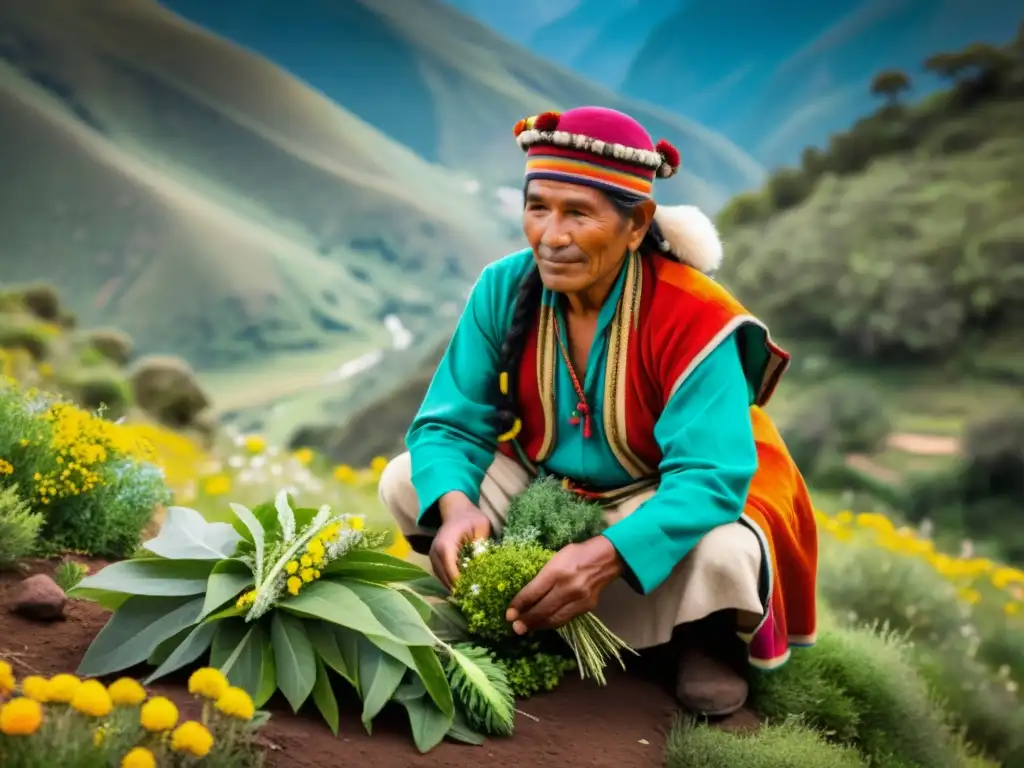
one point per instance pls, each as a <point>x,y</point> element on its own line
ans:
<point>704,432</point>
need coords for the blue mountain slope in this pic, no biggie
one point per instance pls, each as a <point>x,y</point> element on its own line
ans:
<point>449,88</point>
<point>773,77</point>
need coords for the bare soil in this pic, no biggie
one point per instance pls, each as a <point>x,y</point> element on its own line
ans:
<point>925,445</point>
<point>621,726</point>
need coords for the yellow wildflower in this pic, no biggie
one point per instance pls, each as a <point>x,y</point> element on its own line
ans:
<point>236,703</point>
<point>330,532</point>
<point>20,717</point>
<point>63,688</point>
<point>126,692</point>
<point>345,474</point>
<point>158,714</point>
<point>92,699</point>
<point>306,561</point>
<point>315,548</point>
<point>379,464</point>
<point>1005,576</point>
<point>216,485</point>
<point>6,468</point>
<point>294,585</point>
<point>208,682</point>
<point>357,523</point>
<point>246,599</point>
<point>6,677</point>
<point>292,567</point>
<point>192,738</point>
<point>139,757</point>
<point>1011,609</point>
<point>306,574</point>
<point>255,444</point>
<point>304,456</point>
<point>36,687</point>
<point>99,735</point>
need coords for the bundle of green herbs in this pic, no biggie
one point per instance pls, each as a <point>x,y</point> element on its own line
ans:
<point>542,520</point>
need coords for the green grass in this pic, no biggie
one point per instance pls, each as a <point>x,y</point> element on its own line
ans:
<point>787,745</point>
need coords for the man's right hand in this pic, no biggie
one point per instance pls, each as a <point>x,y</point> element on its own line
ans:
<point>461,522</point>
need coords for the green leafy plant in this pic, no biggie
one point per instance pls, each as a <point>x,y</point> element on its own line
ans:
<point>19,527</point>
<point>69,574</point>
<point>291,599</point>
<point>542,519</point>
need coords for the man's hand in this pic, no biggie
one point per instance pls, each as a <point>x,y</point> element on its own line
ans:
<point>461,522</point>
<point>568,586</point>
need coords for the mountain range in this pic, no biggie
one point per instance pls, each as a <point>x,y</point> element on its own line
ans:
<point>449,88</point>
<point>772,77</point>
<point>230,180</point>
<point>188,191</point>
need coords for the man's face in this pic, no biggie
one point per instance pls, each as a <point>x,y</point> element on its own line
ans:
<point>578,237</point>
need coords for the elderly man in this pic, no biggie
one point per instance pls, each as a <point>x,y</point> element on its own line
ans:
<point>605,355</point>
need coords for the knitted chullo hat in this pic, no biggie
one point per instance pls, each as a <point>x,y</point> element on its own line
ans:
<point>602,148</point>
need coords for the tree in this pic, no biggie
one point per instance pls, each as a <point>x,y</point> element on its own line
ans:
<point>890,84</point>
<point>948,65</point>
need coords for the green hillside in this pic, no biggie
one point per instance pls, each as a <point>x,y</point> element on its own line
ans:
<point>179,187</point>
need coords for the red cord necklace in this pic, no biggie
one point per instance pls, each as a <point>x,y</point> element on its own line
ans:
<point>582,412</point>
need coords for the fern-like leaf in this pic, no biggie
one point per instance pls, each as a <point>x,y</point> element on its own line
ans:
<point>482,688</point>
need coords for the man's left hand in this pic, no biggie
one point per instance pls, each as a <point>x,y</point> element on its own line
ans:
<point>568,586</point>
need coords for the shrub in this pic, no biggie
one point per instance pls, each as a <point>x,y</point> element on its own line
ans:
<point>854,685</point>
<point>113,344</point>
<point>94,480</point>
<point>965,616</point>
<point>167,388</point>
<point>788,187</point>
<point>32,338</point>
<point>783,745</point>
<point>100,390</point>
<point>841,418</point>
<point>42,301</point>
<point>19,525</point>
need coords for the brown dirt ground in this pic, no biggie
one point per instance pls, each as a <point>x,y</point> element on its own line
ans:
<point>578,725</point>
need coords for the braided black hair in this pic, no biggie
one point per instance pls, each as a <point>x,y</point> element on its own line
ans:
<point>528,302</point>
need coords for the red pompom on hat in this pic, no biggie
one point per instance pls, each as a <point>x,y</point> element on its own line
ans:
<point>546,121</point>
<point>595,146</point>
<point>670,156</point>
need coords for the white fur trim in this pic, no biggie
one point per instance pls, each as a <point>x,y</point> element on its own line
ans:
<point>645,157</point>
<point>691,236</point>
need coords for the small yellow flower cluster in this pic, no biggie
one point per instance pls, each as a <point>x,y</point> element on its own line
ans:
<point>149,728</point>
<point>973,577</point>
<point>255,444</point>
<point>233,702</point>
<point>346,475</point>
<point>217,485</point>
<point>81,443</point>
<point>6,468</point>
<point>304,456</point>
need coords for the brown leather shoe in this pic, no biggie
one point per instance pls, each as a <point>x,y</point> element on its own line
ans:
<point>708,687</point>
